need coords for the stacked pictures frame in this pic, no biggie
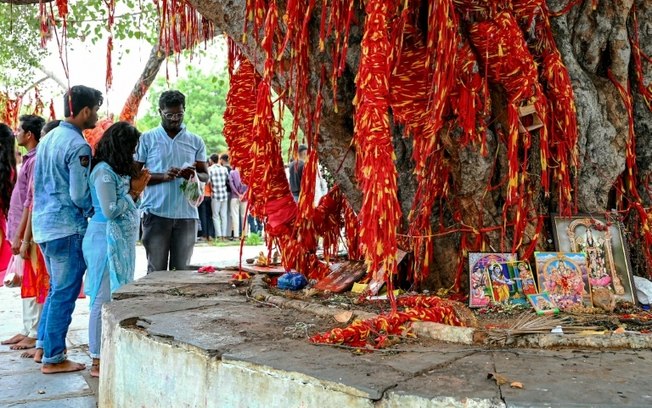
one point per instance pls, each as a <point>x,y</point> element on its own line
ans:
<point>564,275</point>
<point>603,243</point>
<point>480,289</point>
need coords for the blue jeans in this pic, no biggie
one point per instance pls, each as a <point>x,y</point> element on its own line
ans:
<point>65,263</point>
<point>95,318</point>
<point>206,219</point>
<point>255,226</point>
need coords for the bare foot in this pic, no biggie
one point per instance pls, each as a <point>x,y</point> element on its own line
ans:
<point>24,344</point>
<point>66,366</point>
<point>17,338</point>
<point>95,368</point>
<point>29,353</point>
<point>38,355</point>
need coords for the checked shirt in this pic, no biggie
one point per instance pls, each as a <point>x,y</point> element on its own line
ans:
<point>218,176</point>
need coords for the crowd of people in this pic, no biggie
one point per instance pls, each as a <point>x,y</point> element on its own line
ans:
<point>71,214</point>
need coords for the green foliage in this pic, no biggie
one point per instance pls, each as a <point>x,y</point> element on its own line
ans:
<point>205,106</point>
<point>254,239</point>
<point>20,47</point>
<point>20,44</point>
<point>133,19</point>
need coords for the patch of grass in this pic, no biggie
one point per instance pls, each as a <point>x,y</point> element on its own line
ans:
<point>227,243</point>
<point>254,239</point>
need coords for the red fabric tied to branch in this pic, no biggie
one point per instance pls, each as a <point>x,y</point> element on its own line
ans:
<point>380,211</point>
<point>375,332</point>
<point>328,221</point>
<point>502,48</point>
<point>467,99</point>
<point>11,110</point>
<point>93,135</point>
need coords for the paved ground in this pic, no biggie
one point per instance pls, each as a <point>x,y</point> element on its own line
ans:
<point>21,382</point>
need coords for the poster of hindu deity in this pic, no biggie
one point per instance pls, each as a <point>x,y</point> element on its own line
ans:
<point>602,242</point>
<point>564,275</point>
<point>480,290</point>
<point>521,273</point>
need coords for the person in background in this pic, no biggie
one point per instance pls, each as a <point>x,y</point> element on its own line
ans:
<point>62,205</point>
<point>110,242</point>
<point>321,186</point>
<point>238,204</point>
<point>207,231</point>
<point>38,277</point>
<point>172,154</point>
<point>224,162</point>
<point>219,179</point>
<point>295,169</point>
<point>7,181</point>
<point>27,134</point>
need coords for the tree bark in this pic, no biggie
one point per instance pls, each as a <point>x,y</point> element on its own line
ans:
<point>591,43</point>
<point>147,76</point>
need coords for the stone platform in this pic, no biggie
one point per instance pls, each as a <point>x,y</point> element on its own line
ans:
<point>181,339</point>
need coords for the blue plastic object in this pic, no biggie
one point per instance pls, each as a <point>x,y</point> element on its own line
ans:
<point>291,281</point>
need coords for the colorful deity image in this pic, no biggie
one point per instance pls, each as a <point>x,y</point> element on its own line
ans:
<point>524,284</point>
<point>564,275</point>
<point>480,289</point>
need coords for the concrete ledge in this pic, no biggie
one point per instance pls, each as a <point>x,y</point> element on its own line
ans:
<point>443,332</point>
<point>186,340</point>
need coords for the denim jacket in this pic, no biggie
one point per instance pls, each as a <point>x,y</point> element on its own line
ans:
<point>62,201</point>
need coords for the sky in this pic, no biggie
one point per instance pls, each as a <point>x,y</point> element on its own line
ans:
<point>87,66</point>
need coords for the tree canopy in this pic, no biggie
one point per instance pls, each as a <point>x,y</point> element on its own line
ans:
<point>20,50</point>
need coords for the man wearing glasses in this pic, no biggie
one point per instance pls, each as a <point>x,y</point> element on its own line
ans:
<point>172,154</point>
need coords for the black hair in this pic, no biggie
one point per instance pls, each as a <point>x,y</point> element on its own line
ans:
<point>224,157</point>
<point>215,158</point>
<point>170,99</point>
<point>7,166</point>
<point>116,148</point>
<point>80,97</point>
<point>50,125</point>
<point>32,123</point>
<point>302,148</point>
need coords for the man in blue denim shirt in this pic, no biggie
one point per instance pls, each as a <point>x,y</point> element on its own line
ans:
<point>62,205</point>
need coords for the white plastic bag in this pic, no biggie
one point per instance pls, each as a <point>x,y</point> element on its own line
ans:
<point>14,276</point>
<point>643,290</point>
<point>193,190</point>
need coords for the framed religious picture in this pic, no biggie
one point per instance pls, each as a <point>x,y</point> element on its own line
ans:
<point>603,243</point>
<point>521,273</point>
<point>564,275</point>
<point>542,303</point>
<point>503,286</point>
<point>480,293</point>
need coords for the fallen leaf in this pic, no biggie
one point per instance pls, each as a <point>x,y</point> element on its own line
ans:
<point>500,379</point>
<point>344,317</point>
<point>516,384</point>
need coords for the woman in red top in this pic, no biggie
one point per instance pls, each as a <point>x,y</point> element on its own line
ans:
<point>7,181</point>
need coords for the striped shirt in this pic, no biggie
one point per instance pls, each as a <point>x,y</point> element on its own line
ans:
<point>158,152</point>
<point>218,176</point>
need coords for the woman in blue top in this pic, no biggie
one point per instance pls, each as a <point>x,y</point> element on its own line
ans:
<point>110,242</point>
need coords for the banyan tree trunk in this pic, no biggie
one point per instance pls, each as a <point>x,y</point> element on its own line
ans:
<point>595,41</point>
